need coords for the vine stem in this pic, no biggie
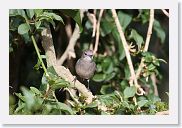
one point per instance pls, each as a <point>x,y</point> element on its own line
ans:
<point>38,54</point>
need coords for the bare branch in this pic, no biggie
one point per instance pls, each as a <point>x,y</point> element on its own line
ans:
<point>68,29</point>
<point>140,91</point>
<point>48,47</point>
<point>97,31</point>
<point>165,12</point>
<point>149,33</point>
<point>93,20</point>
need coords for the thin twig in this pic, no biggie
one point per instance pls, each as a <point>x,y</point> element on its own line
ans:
<point>165,12</point>
<point>68,29</point>
<point>98,32</point>
<point>73,96</point>
<point>93,20</point>
<point>149,33</point>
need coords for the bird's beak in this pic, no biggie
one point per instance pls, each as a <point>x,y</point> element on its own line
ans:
<point>91,56</point>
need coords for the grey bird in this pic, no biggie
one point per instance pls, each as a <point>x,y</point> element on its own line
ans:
<point>85,67</point>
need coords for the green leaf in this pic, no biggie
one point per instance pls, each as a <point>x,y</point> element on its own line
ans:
<point>59,83</point>
<point>99,68</point>
<point>130,91</point>
<point>110,100</point>
<point>75,14</point>
<point>106,26</point>
<point>107,65</point>
<point>127,72</point>
<point>92,105</point>
<point>106,89</point>
<point>38,12</point>
<point>23,28</point>
<point>110,76</point>
<point>65,108</point>
<point>124,19</point>
<point>142,103</point>
<point>19,108</point>
<point>29,98</point>
<point>124,84</point>
<point>16,12</point>
<point>137,37</point>
<point>53,16</point>
<point>37,24</point>
<point>159,30</point>
<point>116,37</point>
<point>20,96</point>
<point>151,67</point>
<point>35,91</point>
<point>13,12</point>
<point>52,70</point>
<point>30,13</point>
<point>22,13</point>
<point>125,104</point>
<point>153,98</point>
<point>99,77</point>
<point>143,15</point>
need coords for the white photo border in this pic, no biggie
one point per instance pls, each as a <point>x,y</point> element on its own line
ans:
<point>173,116</point>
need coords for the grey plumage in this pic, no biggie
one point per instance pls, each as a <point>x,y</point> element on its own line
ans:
<point>85,66</point>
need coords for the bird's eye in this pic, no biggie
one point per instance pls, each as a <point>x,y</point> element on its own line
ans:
<point>85,53</point>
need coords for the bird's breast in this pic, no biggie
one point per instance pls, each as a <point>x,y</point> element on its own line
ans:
<point>85,69</point>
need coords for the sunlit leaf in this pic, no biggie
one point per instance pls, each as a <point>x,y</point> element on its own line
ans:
<point>142,103</point>
<point>35,91</point>
<point>30,13</point>
<point>130,91</point>
<point>124,19</point>
<point>65,108</point>
<point>23,28</point>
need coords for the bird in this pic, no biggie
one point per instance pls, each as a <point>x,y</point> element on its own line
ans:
<point>85,66</point>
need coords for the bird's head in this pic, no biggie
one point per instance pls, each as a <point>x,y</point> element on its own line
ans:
<point>87,55</point>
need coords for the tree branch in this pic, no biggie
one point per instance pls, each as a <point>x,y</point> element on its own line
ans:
<point>93,20</point>
<point>64,73</point>
<point>97,31</point>
<point>128,57</point>
<point>149,33</point>
<point>70,52</point>
<point>165,12</point>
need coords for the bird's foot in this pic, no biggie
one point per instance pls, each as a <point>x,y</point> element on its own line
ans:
<point>74,80</point>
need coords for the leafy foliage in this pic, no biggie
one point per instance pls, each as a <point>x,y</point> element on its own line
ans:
<point>110,83</point>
